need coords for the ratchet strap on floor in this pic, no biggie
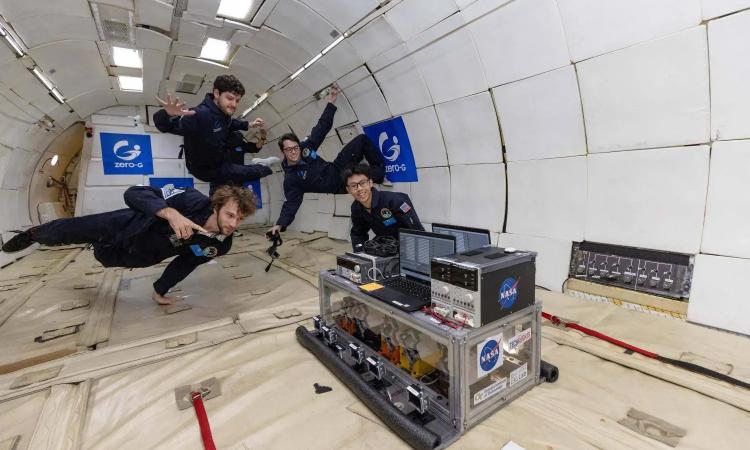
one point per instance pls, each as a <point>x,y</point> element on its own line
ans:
<point>200,412</point>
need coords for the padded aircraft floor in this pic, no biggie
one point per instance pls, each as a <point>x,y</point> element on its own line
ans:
<point>58,393</point>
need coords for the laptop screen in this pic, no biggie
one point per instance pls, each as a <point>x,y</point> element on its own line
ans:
<point>466,238</point>
<point>417,248</point>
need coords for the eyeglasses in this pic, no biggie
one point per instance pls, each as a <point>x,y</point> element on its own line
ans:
<point>291,149</point>
<point>361,185</point>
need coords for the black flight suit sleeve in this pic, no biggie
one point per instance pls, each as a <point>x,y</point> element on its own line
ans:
<point>179,125</point>
<point>294,195</point>
<point>150,200</point>
<point>360,228</point>
<point>321,129</point>
<point>177,270</point>
<point>239,125</point>
<point>408,219</point>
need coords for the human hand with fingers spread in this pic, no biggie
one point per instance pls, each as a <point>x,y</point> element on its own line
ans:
<point>182,226</point>
<point>258,122</point>
<point>174,107</point>
<point>333,92</point>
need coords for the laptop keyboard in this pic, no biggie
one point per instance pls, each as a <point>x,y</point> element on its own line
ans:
<point>408,287</point>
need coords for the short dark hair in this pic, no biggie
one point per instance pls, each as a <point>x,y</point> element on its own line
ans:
<point>359,169</point>
<point>287,137</point>
<point>229,83</point>
<point>244,197</point>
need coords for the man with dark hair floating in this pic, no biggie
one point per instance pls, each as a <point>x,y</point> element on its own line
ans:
<point>208,129</point>
<point>159,223</point>
<point>305,171</point>
<point>382,212</point>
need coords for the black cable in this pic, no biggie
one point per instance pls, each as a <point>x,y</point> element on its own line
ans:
<point>276,241</point>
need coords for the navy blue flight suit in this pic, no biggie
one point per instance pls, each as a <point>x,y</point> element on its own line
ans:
<point>207,135</point>
<point>314,174</point>
<point>135,237</point>
<point>389,212</point>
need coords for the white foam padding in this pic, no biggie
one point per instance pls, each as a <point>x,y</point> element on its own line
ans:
<point>725,229</point>
<point>646,96</point>
<point>552,261</point>
<point>470,129</point>
<point>716,8</point>
<point>431,194</point>
<point>648,198</point>
<point>403,86</point>
<point>541,117</point>
<point>279,47</point>
<point>172,168</point>
<point>341,59</point>
<point>410,18</point>
<point>339,228</point>
<point>342,14</point>
<point>307,217</point>
<point>301,24</point>
<point>519,40</point>
<point>478,195</point>
<point>98,199</point>
<point>326,203</point>
<point>426,138</point>
<point>718,296</point>
<point>324,222</point>
<point>548,198</point>
<point>343,204</point>
<point>367,101</point>
<point>374,38</point>
<point>450,67</point>
<point>95,176</point>
<point>594,27</point>
<point>729,46</point>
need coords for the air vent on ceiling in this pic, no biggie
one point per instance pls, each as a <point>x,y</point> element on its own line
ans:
<point>190,84</point>
<point>115,31</point>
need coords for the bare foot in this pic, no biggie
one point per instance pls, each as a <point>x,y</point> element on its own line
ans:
<point>163,300</point>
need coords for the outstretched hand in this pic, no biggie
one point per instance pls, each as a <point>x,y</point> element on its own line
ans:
<point>333,92</point>
<point>257,123</point>
<point>174,107</point>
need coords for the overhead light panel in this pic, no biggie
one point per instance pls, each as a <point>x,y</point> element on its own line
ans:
<point>12,42</point>
<point>58,95</point>
<point>215,49</point>
<point>255,104</point>
<point>43,78</point>
<point>312,61</point>
<point>127,57</point>
<point>333,44</point>
<point>130,83</point>
<point>235,9</point>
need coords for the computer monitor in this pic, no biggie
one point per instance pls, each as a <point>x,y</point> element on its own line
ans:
<point>467,238</point>
<point>417,248</point>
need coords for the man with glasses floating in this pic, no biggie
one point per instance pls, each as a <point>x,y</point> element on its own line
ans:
<point>382,212</point>
<point>305,171</point>
<point>208,129</point>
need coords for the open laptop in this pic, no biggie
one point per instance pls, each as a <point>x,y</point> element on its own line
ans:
<point>467,238</point>
<point>410,291</point>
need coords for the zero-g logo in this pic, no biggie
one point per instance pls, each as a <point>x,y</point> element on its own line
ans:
<point>126,154</point>
<point>508,293</point>
<point>392,152</point>
<point>123,151</point>
<point>489,355</point>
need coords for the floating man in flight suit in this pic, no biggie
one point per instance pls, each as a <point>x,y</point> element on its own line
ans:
<point>382,212</point>
<point>159,223</point>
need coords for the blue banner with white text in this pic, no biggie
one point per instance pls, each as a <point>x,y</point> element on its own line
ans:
<point>126,154</point>
<point>393,141</point>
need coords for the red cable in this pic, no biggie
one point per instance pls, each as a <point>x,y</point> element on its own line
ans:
<point>557,321</point>
<point>200,411</point>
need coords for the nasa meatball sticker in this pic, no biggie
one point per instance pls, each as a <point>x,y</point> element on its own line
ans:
<point>508,293</point>
<point>489,355</point>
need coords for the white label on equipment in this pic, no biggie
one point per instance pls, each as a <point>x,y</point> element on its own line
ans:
<point>519,339</point>
<point>519,374</point>
<point>490,390</point>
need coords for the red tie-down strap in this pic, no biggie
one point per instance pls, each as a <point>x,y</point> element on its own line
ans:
<point>200,412</point>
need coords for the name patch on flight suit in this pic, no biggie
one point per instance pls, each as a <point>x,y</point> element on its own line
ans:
<point>389,222</point>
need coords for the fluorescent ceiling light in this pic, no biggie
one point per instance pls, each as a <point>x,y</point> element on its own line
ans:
<point>43,78</point>
<point>255,104</point>
<point>127,57</point>
<point>312,61</point>
<point>55,157</point>
<point>12,42</point>
<point>58,95</point>
<point>296,74</point>
<point>235,9</point>
<point>333,44</point>
<point>131,83</point>
<point>215,49</point>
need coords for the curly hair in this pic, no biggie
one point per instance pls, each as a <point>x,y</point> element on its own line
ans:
<point>244,197</point>
<point>229,83</point>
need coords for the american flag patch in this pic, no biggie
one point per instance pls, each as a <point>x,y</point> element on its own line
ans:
<point>405,207</point>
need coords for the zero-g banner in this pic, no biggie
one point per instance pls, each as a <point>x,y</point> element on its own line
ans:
<point>126,154</point>
<point>393,141</point>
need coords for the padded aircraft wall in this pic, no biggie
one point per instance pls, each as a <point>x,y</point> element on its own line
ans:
<point>547,121</point>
